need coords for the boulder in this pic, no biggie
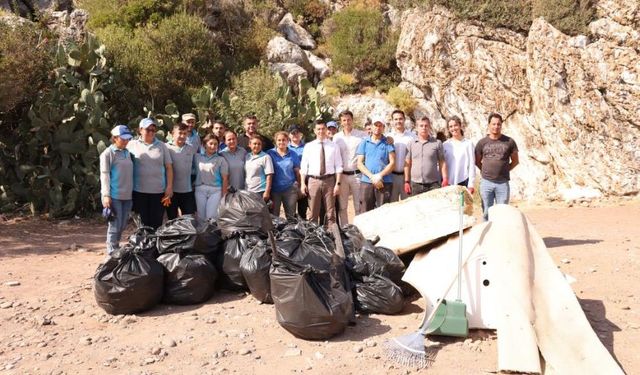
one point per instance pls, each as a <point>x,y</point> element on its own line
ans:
<point>290,72</point>
<point>321,68</point>
<point>280,50</point>
<point>569,102</point>
<point>296,33</point>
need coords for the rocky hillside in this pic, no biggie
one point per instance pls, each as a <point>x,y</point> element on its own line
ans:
<point>571,103</point>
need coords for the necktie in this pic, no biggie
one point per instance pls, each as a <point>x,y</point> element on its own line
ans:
<point>323,168</point>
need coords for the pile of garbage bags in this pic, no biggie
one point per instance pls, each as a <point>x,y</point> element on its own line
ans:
<point>294,265</point>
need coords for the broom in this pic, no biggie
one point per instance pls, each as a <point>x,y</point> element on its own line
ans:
<point>410,350</point>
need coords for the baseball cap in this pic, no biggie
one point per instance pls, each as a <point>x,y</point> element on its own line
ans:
<point>146,122</point>
<point>332,124</point>
<point>188,116</point>
<point>294,128</point>
<point>122,131</point>
<point>379,119</point>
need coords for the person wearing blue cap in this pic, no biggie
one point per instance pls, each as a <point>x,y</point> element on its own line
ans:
<point>332,129</point>
<point>152,175</point>
<point>116,185</point>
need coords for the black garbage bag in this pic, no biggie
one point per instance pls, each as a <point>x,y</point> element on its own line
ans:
<point>352,238</point>
<point>255,265</point>
<point>186,234</point>
<point>143,239</point>
<point>375,260</point>
<point>188,279</point>
<point>243,211</point>
<point>379,295</point>
<point>311,303</point>
<point>128,282</point>
<point>278,222</point>
<point>228,260</point>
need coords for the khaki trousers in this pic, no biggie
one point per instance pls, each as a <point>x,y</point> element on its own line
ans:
<point>349,184</point>
<point>321,190</point>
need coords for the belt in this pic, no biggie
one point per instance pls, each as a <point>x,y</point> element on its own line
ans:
<point>398,173</point>
<point>349,173</point>
<point>425,183</point>
<point>323,177</point>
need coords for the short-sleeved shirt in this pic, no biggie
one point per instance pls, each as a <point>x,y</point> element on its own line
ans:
<point>425,157</point>
<point>210,169</point>
<point>149,160</point>
<point>235,160</point>
<point>376,157</point>
<point>183,166</point>
<point>284,166</point>
<point>194,139</point>
<point>297,149</point>
<point>496,157</point>
<point>348,145</point>
<point>401,143</point>
<point>256,168</point>
<point>116,173</point>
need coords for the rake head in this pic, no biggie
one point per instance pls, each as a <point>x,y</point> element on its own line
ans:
<point>410,351</point>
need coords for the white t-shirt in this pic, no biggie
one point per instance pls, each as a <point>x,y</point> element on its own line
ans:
<point>348,145</point>
<point>400,143</point>
<point>461,161</point>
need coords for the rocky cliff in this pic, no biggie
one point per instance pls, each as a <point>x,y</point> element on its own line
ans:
<point>571,103</point>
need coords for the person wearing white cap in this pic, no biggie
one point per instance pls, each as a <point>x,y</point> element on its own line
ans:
<point>193,138</point>
<point>152,175</point>
<point>116,185</point>
<point>376,160</point>
<point>401,139</point>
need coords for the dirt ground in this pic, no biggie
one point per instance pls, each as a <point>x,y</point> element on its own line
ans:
<point>50,324</point>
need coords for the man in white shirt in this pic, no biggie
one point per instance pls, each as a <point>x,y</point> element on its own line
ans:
<point>348,140</point>
<point>322,164</point>
<point>401,139</point>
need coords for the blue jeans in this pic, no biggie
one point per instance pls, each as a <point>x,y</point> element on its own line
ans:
<point>493,193</point>
<point>121,209</point>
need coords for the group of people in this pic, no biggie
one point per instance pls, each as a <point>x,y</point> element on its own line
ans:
<point>190,175</point>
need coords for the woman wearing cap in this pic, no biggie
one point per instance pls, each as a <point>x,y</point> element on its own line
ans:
<point>286,176</point>
<point>258,169</point>
<point>152,175</point>
<point>212,179</point>
<point>116,185</point>
<point>459,156</point>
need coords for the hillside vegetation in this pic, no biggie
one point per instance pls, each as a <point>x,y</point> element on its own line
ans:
<point>164,58</point>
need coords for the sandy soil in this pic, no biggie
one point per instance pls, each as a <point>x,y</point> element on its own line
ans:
<point>50,324</point>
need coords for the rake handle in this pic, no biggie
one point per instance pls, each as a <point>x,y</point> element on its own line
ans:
<point>428,318</point>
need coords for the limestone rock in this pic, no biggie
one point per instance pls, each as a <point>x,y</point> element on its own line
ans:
<point>290,72</point>
<point>320,66</point>
<point>280,50</point>
<point>569,102</point>
<point>296,33</point>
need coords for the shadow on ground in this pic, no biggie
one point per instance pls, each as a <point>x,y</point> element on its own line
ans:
<point>559,242</point>
<point>596,313</point>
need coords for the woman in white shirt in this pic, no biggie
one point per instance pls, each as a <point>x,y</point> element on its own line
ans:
<point>459,155</point>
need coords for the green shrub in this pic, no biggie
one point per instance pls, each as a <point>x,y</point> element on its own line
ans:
<point>26,57</point>
<point>164,62</point>
<point>269,97</point>
<point>340,83</point>
<point>54,168</point>
<point>361,43</point>
<point>402,100</point>
<point>569,16</point>
<point>128,13</point>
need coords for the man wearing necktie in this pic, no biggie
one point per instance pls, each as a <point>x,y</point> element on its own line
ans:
<point>322,164</point>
